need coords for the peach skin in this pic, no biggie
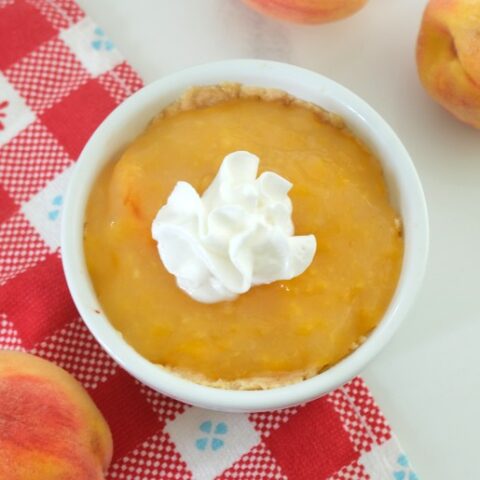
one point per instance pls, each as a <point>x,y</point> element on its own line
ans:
<point>50,429</point>
<point>448,56</point>
<point>307,11</point>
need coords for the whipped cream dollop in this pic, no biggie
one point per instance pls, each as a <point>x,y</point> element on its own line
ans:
<point>238,234</point>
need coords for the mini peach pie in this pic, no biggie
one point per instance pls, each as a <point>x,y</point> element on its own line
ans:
<point>244,240</point>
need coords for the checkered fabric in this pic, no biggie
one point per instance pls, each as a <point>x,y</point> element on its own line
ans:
<point>60,75</point>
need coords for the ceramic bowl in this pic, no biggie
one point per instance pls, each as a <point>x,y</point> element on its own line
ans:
<point>130,118</point>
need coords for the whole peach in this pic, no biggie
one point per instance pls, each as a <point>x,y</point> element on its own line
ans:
<point>448,56</point>
<point>307,11</point>
<point>50,429</point>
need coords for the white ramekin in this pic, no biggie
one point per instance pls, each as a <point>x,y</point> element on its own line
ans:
<point>132,116</point>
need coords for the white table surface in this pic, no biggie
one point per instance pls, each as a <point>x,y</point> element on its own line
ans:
<point>427,381</point>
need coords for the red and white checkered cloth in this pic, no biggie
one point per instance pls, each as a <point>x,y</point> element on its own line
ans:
<point>60,76</point>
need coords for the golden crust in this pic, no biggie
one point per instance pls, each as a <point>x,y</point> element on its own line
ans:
<point>253,383</point>
<point>209,95</point>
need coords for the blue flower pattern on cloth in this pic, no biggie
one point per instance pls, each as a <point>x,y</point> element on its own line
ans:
<point>404,471</point>
<point>101,42</point>
<point>211,439</point>
<point>55,209</point>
